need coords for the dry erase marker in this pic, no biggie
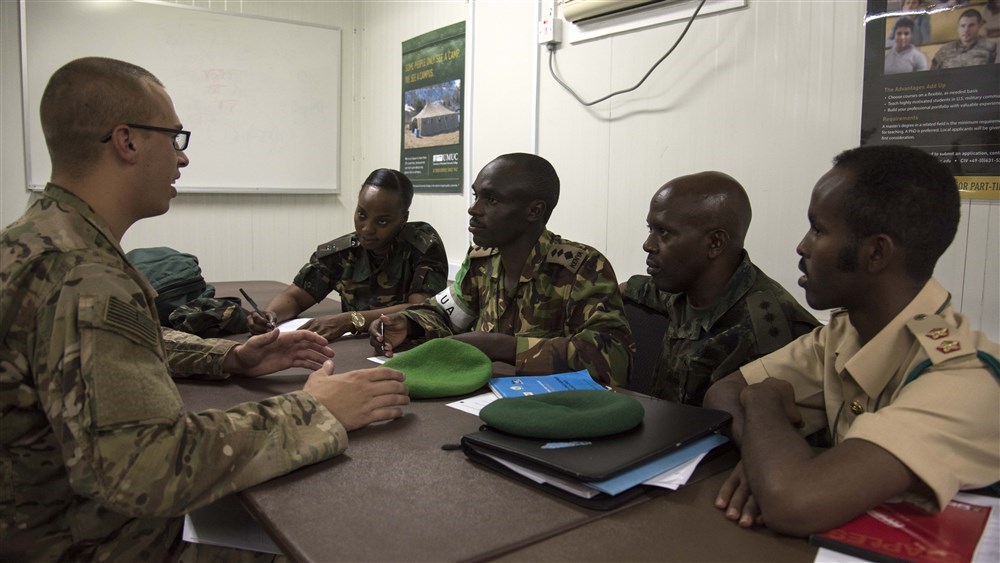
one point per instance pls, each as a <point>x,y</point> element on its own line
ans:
<point>253,304</point>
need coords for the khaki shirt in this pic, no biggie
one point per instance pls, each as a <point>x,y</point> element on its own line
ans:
<point>944,425</point>
<point>98,457</point>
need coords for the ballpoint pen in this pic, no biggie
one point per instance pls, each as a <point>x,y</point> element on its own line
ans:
<point>270,325</point>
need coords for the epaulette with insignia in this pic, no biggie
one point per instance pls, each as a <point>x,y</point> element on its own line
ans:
<point>939,339</point>
<point>420,240</point>
<point>481,251</point>
<point>336,245</point>
<point>570,256</point>
<point>770,327</point>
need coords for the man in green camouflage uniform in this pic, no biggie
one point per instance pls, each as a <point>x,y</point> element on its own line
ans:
<point>525,296</point>
<point>722,310</point>
<point>970,49</point>
<point>98,457</point>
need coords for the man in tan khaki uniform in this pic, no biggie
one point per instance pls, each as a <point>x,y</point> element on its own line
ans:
<point>98,457</point>
<point>906,388</point>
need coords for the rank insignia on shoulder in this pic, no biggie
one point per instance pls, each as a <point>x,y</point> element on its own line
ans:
<point>481,251</point>
<point>949,346</point>
<point>939,339</point>
<point>419,240</point>
<point>337,245</point>
<point>568,256</point>
<point>937,333</point>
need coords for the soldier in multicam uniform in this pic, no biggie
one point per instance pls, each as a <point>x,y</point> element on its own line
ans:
<point>524,296</point>
<point>381,268</point>
<point>969,49</point>
<point>98,457</point>
<point>722,310</point>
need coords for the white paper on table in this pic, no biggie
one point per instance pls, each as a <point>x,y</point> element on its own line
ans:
<point>383,359</point>
<point>678,476</point>
<point>825,555</point>
<point>473,405</point>
<point>293,324</point>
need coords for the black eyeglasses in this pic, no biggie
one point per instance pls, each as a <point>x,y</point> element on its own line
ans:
<point>181,137</point>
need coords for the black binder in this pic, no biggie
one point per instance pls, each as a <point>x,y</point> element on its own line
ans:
<point>666,427</point>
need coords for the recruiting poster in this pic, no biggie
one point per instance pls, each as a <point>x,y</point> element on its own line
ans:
<point>432,132</point>
<point>932,81</point>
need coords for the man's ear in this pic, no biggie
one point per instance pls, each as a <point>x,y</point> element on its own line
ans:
<point>878,252</point>
<point>536,210</point>
<point>718,241</point>
<point>123,141</point>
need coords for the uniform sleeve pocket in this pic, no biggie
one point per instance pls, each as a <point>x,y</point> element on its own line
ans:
<point>122,363</point>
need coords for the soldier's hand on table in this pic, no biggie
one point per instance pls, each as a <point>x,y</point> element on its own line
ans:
<point>331,327</point>
<point>736,499</point>
<point>499,347</point>
<point>387,332</point>
<point>259,324</point>
<point>275,351</point>
<point>361,397</point>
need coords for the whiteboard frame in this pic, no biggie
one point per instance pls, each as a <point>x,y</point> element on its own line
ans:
<point>335,181</point>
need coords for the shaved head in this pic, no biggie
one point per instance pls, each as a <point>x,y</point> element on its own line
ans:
<point>711,199</point>
<point>529,175</point>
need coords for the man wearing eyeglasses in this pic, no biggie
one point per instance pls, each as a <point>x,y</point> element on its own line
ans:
<point>98,457</point>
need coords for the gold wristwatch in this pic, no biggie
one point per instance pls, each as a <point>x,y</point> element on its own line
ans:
<point>358,320</point>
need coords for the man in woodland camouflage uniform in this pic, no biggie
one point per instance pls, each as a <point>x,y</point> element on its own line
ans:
<point>722,310</point>
<point>98,458</point>
<point>524,295</point>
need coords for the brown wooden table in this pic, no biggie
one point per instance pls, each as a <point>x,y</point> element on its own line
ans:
<point>396,495</point>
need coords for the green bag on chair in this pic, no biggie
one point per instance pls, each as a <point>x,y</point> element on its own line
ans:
<point>184,300</point>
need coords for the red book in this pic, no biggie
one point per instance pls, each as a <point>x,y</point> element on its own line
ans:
<point>903,532</point>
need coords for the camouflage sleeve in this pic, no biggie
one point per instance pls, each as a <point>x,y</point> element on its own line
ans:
<point>189,355</point>
<point>641,289</point>
<point>451,311</point>
<point>598,336</point>
<point>430,269</point>
<point>126,439</point>
<point>320,276</point>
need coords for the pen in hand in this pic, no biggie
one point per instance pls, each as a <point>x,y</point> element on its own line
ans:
<point>381,331</point>
<point>270,324</point>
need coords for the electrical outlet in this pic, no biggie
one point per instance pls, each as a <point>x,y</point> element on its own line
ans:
<point>549,26</point>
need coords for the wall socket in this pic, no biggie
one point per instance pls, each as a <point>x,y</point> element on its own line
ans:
<point>549,25</point>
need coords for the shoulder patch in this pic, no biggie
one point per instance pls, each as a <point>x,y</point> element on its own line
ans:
<point>336,245</point>
<point>939,339</point>
<point>481,251</point>
<point>569,256</point>
<point>421,239</point>
<point>770,327</point>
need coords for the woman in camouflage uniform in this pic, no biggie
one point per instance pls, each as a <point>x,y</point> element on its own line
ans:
<point>385,265</point>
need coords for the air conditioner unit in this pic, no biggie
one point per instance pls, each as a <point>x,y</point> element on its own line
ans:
<point>576,11</point>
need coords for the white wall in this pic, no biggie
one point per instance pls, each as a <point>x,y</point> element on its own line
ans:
<point>768,94</point>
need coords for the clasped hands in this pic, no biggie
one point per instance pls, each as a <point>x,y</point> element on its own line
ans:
<point>735,496</point>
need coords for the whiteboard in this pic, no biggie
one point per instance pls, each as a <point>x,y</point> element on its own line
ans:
<point>260,96</point>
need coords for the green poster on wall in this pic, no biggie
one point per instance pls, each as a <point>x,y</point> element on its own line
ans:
<point>432,134</point>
